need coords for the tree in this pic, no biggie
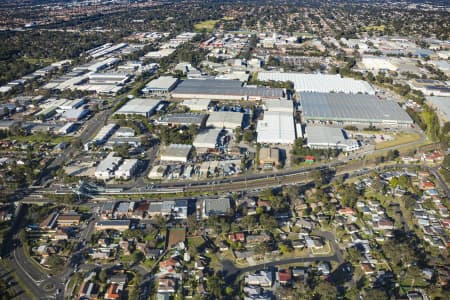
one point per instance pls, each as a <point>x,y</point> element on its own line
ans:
<point>214,285</point>
<point>325,291</point>
<point>137,256</point>
<point>374,294</point>
<point>103,275</point>
<point>268,222</point>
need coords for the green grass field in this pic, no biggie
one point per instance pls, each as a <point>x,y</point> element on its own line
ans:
<point>399,139</point>
<point>374,28</point>
<point>207,25</point>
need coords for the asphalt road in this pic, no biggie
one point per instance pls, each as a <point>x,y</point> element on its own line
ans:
<point>91,127</point>
<point>232,272</point>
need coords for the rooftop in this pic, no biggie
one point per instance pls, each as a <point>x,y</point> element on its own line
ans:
<point>319,82</point>
<point>219,87</point>
<point>138,106</point>
<point>277,128</point>
<point>351,108</point>
<point>162,83</point>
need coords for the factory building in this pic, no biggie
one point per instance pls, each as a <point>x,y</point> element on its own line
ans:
<point>225,119</point>
<point>358,109</point>
<point>104,133</point>
<point>127,169</point>
<point>276,128</point>
<point>183,119</point>
<point>75,114</point>
<point>161,85</point>
<point>176,153</point>
<point>319,83</point>
<point>322,137</point>
<point>279,105</point>
<point>207,139</point>
<point>197,104</point>
<point>106,168</point>
<point>223,90</point>
<point>138,106</point>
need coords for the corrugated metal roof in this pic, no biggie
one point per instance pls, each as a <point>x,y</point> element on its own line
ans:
<point>319,82</point>
<point>351,108</point>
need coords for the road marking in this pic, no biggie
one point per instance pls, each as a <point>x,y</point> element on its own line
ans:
<point>23,269</point>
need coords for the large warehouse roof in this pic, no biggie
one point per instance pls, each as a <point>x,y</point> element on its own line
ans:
<point>352,108</point>
<point>225,119</point>
<point>276,128</point>
<point>207,138</point>
<point>138,106</point>
<point>323,137</point>
<point>218,87</point>
<point>162,83</point>
<point>442,104</point>
<point>279,105</point>
<point>319,82</point>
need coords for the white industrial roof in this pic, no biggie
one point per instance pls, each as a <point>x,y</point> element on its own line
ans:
<point>127,165</point>
<point>279,105</point>
<point>197,104</point>
<point>319,82</point>
<point>276,128</point>
<point>176,150</point>
<point>207,138</point>
<point>109,163</point>
<point>138,106</point>
<point>163,83</point>
<point>225,119</point>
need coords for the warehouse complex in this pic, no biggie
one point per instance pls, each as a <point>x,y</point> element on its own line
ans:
<point>176,153</point>
<point>197,104</point>
<point>322,137</point>
<point>319,83</point>
<point>161,85</point>
<point>352,109</point>
<point>442,106</point>
<point>225,119</point>
<point>276,128</point>
<point>206,139</point>
<point>183,119</point>
<point>138,106</point>
<point>220,89</point>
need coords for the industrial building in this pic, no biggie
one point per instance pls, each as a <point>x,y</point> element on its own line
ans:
<point>176,153</point>
<point>72,104</point>
<point>127,169</point>
<point>207,139</point>
<point>377,63</point>
<point>138,106</point>
<point>276,128</point>
<point>430,87</point>
<point>161,85</point>
<point>352,109</point>
<point>104,133</point>
<point>442,106</point>
<point>269,157</point>
<point>279,105</point>
<point>319,83</point>
<point>185,119</point>
<point>223,90</point>
<point>197,104</point>
<point>119,225</point>
<point>225,119</point>
<point>216,207</point>
<point>322,137</point>
<point>67,128</point>
<point>106,168</point>
<point>75,114</point>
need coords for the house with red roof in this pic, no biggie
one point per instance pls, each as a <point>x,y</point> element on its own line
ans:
<point>237,237</point>
<point>347,211</point>
<point>284,276</point>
